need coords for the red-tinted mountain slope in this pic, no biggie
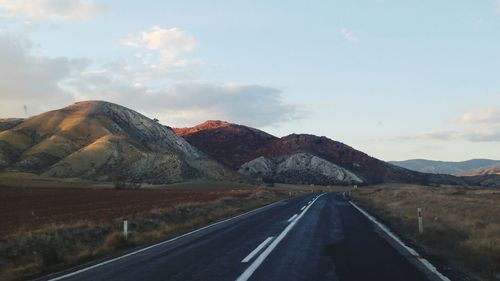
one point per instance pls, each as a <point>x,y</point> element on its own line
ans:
<point>228,143</point>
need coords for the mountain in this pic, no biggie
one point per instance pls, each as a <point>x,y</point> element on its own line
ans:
<point>227,143</point>
<point>442,167</point>
<point>489,176</point>
<point>303,168</point>
<point>297,158</point>
<point>103,141</point>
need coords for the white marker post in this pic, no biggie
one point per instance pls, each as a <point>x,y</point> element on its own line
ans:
<point>125,229</point>
<point>420,223</point>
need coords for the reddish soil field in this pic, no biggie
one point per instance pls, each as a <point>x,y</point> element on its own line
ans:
<point>29,208</point>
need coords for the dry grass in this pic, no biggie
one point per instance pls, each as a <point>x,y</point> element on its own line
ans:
<point>53,247</point>
<point>460,224</point>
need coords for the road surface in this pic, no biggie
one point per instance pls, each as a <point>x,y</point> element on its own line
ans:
<point>312,237</point>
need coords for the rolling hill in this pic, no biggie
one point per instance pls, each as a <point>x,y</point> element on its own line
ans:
<point>103,141</point>
<point>494,170</point>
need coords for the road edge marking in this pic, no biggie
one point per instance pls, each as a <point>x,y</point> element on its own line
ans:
<point>429,266</point>
<point>260,259</point>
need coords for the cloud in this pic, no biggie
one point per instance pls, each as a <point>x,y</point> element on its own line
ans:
<point>167,43</point>
<point>487,115</point>
<point>253,105</point>
<point>30,79</point>
<point>491,134</point>
<point>349,35</point>
<point>498,6</point>
<point>43,83</point>
<point>481,125</point>
<point>66,10</point>
<point>189,103</point>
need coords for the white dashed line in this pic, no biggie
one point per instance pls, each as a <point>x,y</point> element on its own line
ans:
<point>260,259</point>
<point>257,250</point>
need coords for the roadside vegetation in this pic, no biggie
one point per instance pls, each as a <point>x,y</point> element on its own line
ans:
<point>461,225</point>
<point>66,237</point>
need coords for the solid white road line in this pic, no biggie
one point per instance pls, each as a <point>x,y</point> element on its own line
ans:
<point>292,217</point>
<point>155,245</point>
<point>257,250</point>
<point>412,252</point>
<point>260,259</point>
<point>303,207</point>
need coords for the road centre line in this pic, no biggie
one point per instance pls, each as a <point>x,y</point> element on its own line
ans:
<point>257,250</point>
<point>292,217</point>
<point>260,259</point>
<point>64,276</point>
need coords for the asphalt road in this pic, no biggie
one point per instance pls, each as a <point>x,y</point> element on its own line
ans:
<point>313,237</point>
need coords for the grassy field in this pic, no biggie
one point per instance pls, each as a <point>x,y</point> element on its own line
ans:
<point>48,224</point>
<point>24,209</point>
<point>460,224</point>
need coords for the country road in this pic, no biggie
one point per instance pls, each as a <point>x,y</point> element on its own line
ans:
<point>312,237</point>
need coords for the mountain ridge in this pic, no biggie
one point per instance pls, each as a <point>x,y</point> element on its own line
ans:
<point>223,141</point>
<point>102,140</point>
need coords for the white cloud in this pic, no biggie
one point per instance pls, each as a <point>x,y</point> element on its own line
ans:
<point>43,83</point>
<point>66,10</point>
<point>486,115</point>
<point>188,103</point>
<point>31,79</point>
<point>481,125</point>
<point>486,134</point>
<point>349,35</point>
<point>169,44</point>
<point>173,39</point>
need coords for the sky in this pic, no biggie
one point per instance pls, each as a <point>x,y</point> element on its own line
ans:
<point>395,79</point>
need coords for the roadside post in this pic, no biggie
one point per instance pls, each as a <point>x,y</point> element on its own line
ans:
<point>125,229</point>
<point>420,223</point>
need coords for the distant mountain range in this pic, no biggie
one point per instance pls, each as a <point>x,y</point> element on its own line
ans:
<point>466,168</point>
<point>105,141</point>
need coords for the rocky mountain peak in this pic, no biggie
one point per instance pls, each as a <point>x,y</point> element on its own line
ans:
<point>207,125</point>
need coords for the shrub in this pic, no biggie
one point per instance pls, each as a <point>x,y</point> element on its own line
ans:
<point>115,241</point>
<point>50,254</point>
